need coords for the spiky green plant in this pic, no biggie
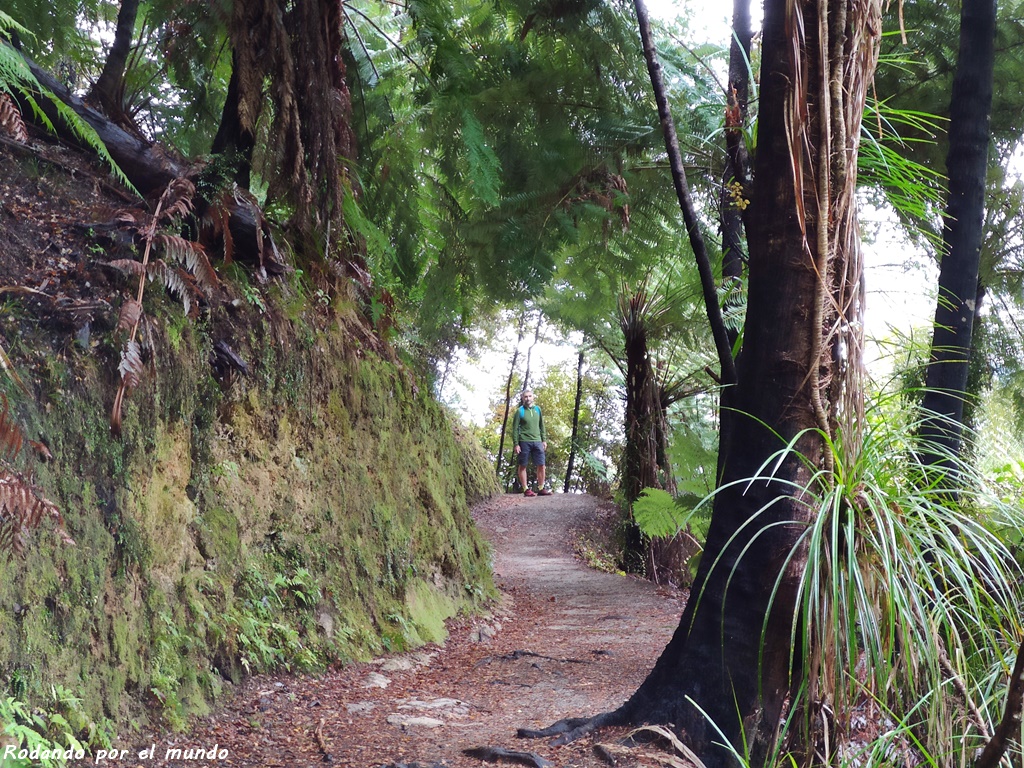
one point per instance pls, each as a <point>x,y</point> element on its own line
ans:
<point>908,611</point>
<point>910,596</point>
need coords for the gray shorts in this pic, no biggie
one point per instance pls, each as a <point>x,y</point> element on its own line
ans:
<point>527,449</point>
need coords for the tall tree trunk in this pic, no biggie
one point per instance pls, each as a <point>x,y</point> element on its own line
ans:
<point>735,179</point>
<point>967,162</point>
<point>732,651</point>
<point>108,90</point>
<point>508,393</point>
<point>573,441</point>
<point>731,660</point>
<point>643,402</point>
<point>236,137</point>
<point>709,289</point>
<point>529,352</point>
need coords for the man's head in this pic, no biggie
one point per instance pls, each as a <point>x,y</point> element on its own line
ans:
<point>527,397</point>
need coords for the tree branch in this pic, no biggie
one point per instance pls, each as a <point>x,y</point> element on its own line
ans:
<point>707,278</point>
<point>1010,724</point>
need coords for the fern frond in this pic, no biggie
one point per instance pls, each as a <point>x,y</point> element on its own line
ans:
<point>178,199</point>
<point>177,281</point>
<point>193,256</point>
<point>131,366</point>
<point>129,267</point>
<point>8,366</point>
<point>11,436</point>
<point>11,121</point>
<point>129,316</point>
<point>22,509</point>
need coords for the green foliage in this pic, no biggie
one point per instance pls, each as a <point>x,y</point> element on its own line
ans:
<point>17,79</point>
<point>48,737</point>
<point>908,598</point>
<point>658,513</point>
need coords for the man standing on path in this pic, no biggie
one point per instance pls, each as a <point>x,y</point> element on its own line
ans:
<point>529,438</point>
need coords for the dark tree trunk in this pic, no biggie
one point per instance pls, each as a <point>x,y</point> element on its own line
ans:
<point>108,90</point>
<point>643,404</point>
<point>966,163</point>
<point>732,651</point>
<point>573,441</point>
<point>150,168</point>
<point>735,178</point>
<point>731,659</point>
<point>235,138</point>
<point>146,165</point>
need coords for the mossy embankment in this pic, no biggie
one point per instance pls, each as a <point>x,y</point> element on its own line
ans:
<point>312,510</point>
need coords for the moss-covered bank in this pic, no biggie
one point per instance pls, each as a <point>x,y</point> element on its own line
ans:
<point>314,509</point>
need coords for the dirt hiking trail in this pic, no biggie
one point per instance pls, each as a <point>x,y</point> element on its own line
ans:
<point>564,641</point>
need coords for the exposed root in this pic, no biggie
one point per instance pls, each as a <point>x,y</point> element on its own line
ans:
<point>494,754</point>
<point>572,728</point>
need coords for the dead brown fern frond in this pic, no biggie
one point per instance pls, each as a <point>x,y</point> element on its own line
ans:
<point>11,121</point>
<point>177,202</point>
<point>193,256</point>
<point>22,508</point>
<point>11,436</point>
<point>130,314</point>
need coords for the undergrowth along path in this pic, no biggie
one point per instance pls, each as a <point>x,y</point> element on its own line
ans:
<point>564,641</point>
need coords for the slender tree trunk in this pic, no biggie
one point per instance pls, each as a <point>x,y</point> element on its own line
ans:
<point>529,352</point>
<point>707,278</point>
<point>735,178</point>
<point>508,393</point>
<point>575,423</point>
<point>735,182</point>
<point>967,162</point>
<point>108,90</point>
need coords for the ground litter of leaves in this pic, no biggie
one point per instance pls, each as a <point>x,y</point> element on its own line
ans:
<point>564,641</point>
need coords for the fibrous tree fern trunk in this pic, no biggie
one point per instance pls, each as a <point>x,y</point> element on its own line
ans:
<point>292,52</point>
<point>731,661</point>
<point>644,416</point>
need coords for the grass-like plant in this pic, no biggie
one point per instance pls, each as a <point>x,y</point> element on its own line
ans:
<point>909,603</point>
<point>908,615</point>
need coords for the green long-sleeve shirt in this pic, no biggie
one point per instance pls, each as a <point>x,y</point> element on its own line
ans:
<point>529,427</point>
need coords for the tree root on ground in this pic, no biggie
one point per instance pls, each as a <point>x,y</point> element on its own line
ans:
<point>494,754</point>
<point>573,728</point>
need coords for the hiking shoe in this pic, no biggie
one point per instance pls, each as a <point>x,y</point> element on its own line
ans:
<point>529,493</point>
<point>544,492</point>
